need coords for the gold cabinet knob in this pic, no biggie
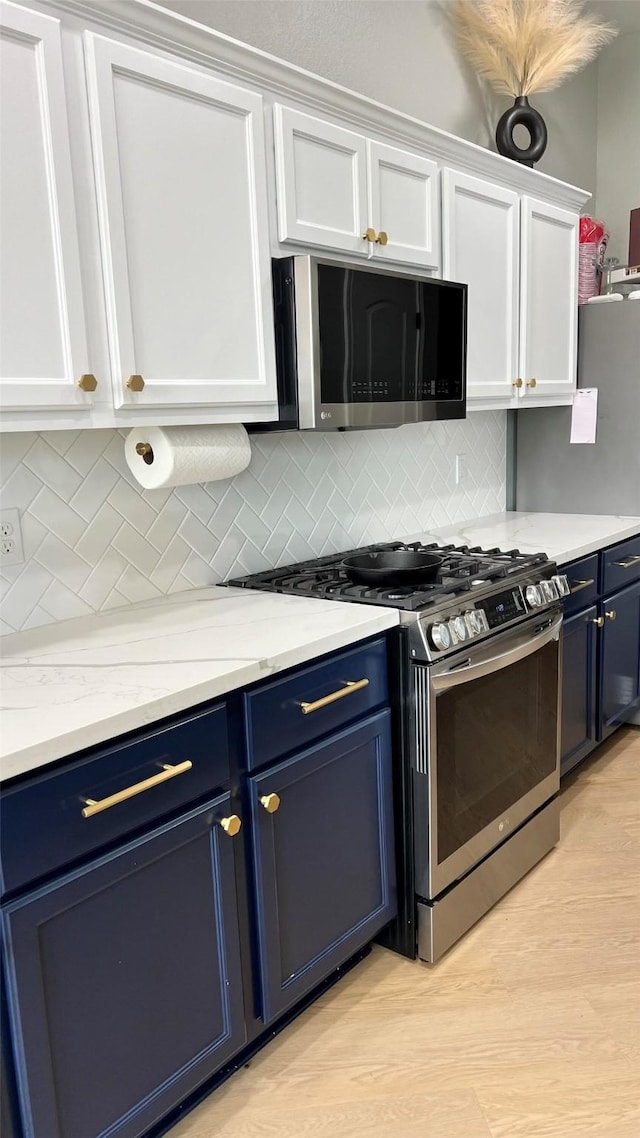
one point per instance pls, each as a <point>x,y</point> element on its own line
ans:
<point>135,383</point>
<point>271,802</point>
<point>598,620</point>
<point>369,235</point>
<point>87,382</point>
<point>232,825</point>
<point>382,238</point>
<point>517,383</point>
<point>532,383</point>
<point>611,615</point>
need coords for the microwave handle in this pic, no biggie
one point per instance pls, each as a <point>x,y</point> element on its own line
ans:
<point>524,646</point>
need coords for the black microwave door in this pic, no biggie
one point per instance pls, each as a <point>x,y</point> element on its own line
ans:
<point>368,336</point>
<point>389,339</point>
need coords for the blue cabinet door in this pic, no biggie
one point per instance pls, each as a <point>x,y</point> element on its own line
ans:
<point>619,658</point>
<point>578,732</point>
<point>324,860</point>
<point>124,982</point>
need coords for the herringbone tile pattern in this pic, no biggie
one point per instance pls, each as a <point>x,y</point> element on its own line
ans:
<point>95,539</point>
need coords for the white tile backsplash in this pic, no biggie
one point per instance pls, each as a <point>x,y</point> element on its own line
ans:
<point>94,538</point>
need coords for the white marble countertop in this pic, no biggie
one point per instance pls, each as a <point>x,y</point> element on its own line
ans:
<point>564,537</point>
<point>71,685</point>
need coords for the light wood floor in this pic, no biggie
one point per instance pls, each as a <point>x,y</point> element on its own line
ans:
<point>528,1028</point>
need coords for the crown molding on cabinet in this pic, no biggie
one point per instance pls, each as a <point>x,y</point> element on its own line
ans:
<point>157,27</point>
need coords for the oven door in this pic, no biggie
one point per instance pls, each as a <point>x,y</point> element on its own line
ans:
<point>492,748</point>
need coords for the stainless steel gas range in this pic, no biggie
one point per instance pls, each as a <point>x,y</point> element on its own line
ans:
<point>476,676</point>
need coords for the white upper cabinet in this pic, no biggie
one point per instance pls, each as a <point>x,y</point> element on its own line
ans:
<point>339,190</point>
<point>321,175</point>
<point>480,248</point>
<point>404,205</point>
<point>43,342</point>
<point>182,200</point>
<point>549,300</point>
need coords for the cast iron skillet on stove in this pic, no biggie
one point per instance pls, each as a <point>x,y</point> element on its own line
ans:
<point>393,567</point>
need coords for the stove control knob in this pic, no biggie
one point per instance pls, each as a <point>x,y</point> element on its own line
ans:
<point>472,622</point>
<point>459,628</point>
<point>549,591</point>
<point>561,582</point>
<point>440,637</point>
<point>533,596</point>
<point>483,623</point>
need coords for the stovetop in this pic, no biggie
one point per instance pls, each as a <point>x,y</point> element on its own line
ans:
<point>465,569</point>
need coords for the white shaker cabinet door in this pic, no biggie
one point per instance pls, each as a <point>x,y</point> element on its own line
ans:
<point>321,175</point>
<point>181,183</point>
<point>43,343</point>
<point>404,206</point>
<point>480,249</point>
<point>549,300</point>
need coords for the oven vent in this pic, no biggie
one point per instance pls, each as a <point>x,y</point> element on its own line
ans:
<point>421,717</point>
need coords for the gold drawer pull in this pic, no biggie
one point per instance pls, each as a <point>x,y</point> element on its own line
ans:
<point>231,825</point>
<point>135,383</point>
<point>271,802</point>
<point>382,238</point>
<point>517,383</point>
<point>369,235</point>
<point>629,562</point>
<point>578,585</point>
<point>350,687</point>
<point>87,382</point>
<point>92,807</point>
<point>532,383</point>
<point>611,614</point>
<point>598,620</point>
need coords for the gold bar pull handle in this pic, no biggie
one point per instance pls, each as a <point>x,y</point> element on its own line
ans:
<point>578,585</point>
<point>629,562</point>
<point>349,688</point>
<point>92,807</point>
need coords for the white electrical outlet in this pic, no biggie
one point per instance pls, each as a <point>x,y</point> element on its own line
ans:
<point>461,468</point>
<point>11,550</point>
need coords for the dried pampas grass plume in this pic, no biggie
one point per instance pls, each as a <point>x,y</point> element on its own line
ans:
<point>524,46</point>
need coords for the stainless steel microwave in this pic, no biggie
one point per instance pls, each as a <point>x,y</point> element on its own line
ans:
<point>359,346</point>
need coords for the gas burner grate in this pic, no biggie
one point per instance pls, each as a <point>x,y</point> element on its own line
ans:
<point>463,568</point>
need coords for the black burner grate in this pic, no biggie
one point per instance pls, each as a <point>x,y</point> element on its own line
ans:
<point>462,568</point>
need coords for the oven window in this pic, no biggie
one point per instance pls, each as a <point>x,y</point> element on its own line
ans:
<point>387,339</point>
<point>496,740</point>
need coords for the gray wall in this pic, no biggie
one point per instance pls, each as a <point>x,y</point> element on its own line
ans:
<point>401,52</point>
<point>618,166</point>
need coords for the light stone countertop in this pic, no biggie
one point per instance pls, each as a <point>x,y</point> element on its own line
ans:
<point>564,537</point>
<point>71,685</point>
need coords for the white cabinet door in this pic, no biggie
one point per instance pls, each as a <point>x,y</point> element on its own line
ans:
<point>321,175</point>
<point>404,204</point>
<point>549,300</point>
<point>43,343</point>
<point>480,248</point>
<point>181,182</point>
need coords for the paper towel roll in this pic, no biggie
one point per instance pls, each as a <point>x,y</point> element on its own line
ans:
<point>179,456</point>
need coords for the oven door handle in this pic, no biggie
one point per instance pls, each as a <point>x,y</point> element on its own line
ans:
<point>524,646</point>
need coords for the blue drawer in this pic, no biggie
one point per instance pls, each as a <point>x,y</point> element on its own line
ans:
<point>583,582</point>
<point>42,824</point>
<point>304,706</point>
<point>620,565</point>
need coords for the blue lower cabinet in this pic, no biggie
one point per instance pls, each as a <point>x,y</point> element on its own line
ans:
<point>578,736</point>
<point>124,981</point>
<point>619,658</point>
<point>324,862</point>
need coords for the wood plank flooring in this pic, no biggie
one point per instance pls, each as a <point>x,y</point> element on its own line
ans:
<point>528,1028</point>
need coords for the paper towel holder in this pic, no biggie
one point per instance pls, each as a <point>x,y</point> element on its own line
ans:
<point>145,450</point>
